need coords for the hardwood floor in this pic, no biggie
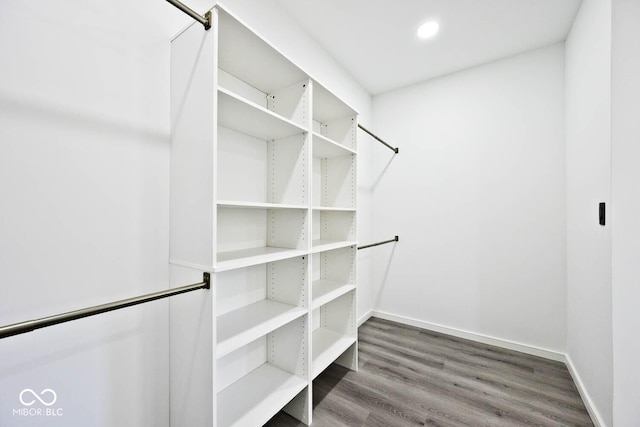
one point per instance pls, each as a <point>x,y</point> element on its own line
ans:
<point>409,376</point>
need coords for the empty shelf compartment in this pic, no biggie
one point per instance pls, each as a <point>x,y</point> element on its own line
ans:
<point>324,148</point>
<point>251,235</point>
<point>256,397</point>
<point>327,347</point>
<point>325,291</point>
<point>241,326</point>
<point>252,119</point>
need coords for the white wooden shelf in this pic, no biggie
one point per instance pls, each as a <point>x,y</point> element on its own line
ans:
<point>327,107</point>
<point>327,346</point>
<point>325,291</point>
<point>322,245</point>
<point>256,397</point>
<point>241,326</point>
<point>324,147</point>
<point>236,113</point>
<point>334,209</point>
<point>256,205</point>
<point>253,256</point>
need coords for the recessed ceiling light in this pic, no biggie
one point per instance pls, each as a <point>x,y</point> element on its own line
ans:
<point>428,29</point>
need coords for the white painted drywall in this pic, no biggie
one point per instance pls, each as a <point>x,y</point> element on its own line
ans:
<point>268,19</point>
<point>624,218</point>
<point>84,193</point>
<point>477,196</point>
<point>588,140</point>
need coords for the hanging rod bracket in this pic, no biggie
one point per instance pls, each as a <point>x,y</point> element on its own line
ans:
<point>207,25</point>
<point>204,20</point>
<point>206,279</point>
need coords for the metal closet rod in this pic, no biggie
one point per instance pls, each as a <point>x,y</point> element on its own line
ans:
<point>32,325</point>
<point>204,20</point>
<point>395,239</point>
<point>394,149</point>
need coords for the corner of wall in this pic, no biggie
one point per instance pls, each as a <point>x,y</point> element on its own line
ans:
<point>584,394</point>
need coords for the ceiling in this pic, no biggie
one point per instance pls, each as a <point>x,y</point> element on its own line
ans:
<point>376,40</point>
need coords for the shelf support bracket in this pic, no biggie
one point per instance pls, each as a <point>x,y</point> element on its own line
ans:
<point>204,20</point>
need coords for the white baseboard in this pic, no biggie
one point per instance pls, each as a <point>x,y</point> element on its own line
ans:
<point>498,342</point>
<point>365,317</point>
<point>588,403</point>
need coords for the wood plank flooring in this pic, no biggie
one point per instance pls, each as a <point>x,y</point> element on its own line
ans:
<point>410,376</point>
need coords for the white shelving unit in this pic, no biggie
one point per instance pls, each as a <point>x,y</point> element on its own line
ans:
<point>263,195</point>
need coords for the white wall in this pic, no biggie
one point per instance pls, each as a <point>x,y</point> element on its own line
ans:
<point>84,190</point>
<point>476,195</point>
<point>588,139</point>
<point>625,103</point>
<point>271,22</point>
<point>84,167</point>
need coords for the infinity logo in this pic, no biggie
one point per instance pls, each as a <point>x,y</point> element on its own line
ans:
<point>42,393</point>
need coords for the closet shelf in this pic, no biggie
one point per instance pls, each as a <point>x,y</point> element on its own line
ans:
<point>239,327</point>
<point>322,245</point>
<point>244,116</point>
<point>256,205</point>
<point>333,209</point>
<point>325,291</point>
<point>324,147</point>
<point>256,397</point>
<point>327,107</point>
<point>251,59</point>
<point>327,346</point>
<point>254,256</point>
